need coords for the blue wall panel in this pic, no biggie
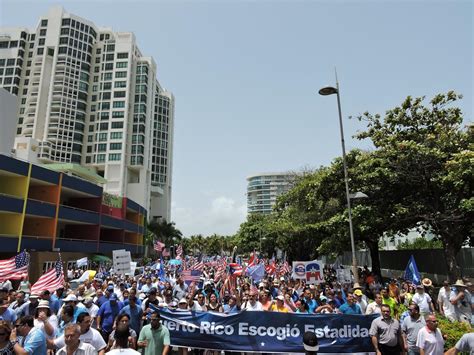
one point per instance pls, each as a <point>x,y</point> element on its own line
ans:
<point>81,185</point>
<point>38,208</point>
<point>74,214</point>
<point>39,244</point>
<point>13,165</point>
<point>11,204</point>
<point>8,244</point>
<point>44,174</point>
<point>76,245</point>
<point>111,222</point>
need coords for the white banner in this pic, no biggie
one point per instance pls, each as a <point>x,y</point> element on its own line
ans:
<point>81,262</point>
<point>121,260</point>
<point>311,271</point>
<point>133,267</point>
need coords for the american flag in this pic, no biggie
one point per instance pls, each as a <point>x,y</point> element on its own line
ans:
<point>51,280</point>
<point>158,246</point>
<point>179,252</point>
<point>220,270</point>
<point>191,276</point>
<point>252,260</point>
<point>285,268</point>
<point>15,268</point>
<point>270,268</point>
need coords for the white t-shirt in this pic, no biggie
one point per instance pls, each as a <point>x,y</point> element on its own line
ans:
<point>91,337</point>
<point>422,301</point>
<point>122,352</point>
<point>53,320</point>
<point>256,307</point>
<point>443,298</point>
<point>431,342</point>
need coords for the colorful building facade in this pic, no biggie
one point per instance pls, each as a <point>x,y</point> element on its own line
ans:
<point>46,210</point>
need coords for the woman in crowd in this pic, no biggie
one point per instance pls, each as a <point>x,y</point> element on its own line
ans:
<point>124,320</point>
<point>45,320</point>
<point>6,346</point>
<point>212,304</point>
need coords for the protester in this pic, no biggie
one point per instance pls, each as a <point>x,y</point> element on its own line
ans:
<point>121,342</point>
<point>430,340</point>
<point>106,315</point>
<point>350,307</point>
<point>34,340</point>
<point>462,301</point>
<point>386,333</point>
<point>123,320</point>
<point>310,343</point>
<point>45,320</point>
<point>446,308</point>
<point>154,338</point>
<point>423,300</point>
<point>252,304</point>
<point>6,345</point>
<point>74,345</point>
<point>411,325</point>
<point>465,344</point>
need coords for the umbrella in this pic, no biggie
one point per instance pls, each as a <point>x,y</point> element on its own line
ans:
<point>175,262</point>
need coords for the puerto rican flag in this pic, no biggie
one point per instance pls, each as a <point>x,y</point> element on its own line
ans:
<point>235,269</point>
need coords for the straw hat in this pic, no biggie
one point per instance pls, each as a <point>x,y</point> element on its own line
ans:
<point>357,286</point>
<point>426,282</point>
<point>43,304</point>
<point>459,283</point>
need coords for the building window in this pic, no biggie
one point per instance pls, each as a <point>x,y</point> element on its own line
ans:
<point>115,157</point>
<point>118,114</point>
<point>102,137</point>
<point>108,76</point>
<point>40,51</point>
<point>101,147</point>
<point>120,84</point>
<point>119,104</point>
<point>109,66</point>
<point>117,124</point>
<point>66,21</point>
<point>122,64</point>
<point>119,94</point>
<point>43,32</point>
<point>122,55</point>
<point>115,146</point>
<point>121,74</point>
<point>116,135</point>
<point>110,47</point>
<point>41,41</point>
<point>18,130</point>
<point>100,158</point>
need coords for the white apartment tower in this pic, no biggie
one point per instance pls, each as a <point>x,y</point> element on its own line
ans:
<point>88,96</point>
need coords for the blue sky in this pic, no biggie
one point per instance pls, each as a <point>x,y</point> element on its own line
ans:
<point>245,75</point>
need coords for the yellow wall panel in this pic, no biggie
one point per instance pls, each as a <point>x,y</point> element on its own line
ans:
<point>9,223</point>
<point>13,186</point>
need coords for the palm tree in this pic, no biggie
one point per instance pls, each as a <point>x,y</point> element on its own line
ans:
<point>165,232</point>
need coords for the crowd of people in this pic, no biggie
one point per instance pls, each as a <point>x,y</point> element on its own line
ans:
<point>113,314</point>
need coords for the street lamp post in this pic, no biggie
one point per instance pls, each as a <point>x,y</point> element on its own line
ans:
<point>329,90</point>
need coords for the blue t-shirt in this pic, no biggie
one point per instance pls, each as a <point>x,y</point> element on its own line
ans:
<point>55,303</point>
<point>347,309</point>
<point>107,313</point>
<point>77,311</point>
<point>35,342</point>
<point>312,305</point>
<point>135,314</point>
<point>9,315</point>
<point>102,300</point>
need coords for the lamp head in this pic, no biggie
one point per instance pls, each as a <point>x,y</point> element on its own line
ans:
<point>328,90</point>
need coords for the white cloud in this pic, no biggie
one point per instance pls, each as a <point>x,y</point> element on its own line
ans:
<point>221,215</point>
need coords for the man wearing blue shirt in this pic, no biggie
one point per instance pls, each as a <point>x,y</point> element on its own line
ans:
<point>135,312</point>
<point>350,307</point>
<point>106,315</point>
<point>34,340</point>
<point>7,314</point>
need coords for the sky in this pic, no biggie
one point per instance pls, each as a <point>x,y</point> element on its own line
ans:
<point>245,75</point>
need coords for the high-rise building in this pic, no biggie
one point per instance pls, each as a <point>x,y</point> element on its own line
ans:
<point>88,96</point>
<point>263,190</point>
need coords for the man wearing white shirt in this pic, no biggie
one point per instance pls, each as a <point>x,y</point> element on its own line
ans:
<point>252,304</point>
<point>73,344</point>
<point>423,300</point>
<point>375,307</point>
<point>430,340</point>
<point>446,308</point>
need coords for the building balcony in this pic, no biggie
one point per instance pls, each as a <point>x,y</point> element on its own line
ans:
<point>40,208</point>
<point>67,213</point>
<point>10,204</point>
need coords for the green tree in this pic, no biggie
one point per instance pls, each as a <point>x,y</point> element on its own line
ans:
<point>428,157</point>
<point>421,243</point>
<point>165,232</point>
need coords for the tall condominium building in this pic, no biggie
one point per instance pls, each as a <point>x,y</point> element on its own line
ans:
<point>87,95</point>
<point>263,190</point>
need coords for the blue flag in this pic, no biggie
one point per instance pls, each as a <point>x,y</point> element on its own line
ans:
<point>256,272</point>
<point>411,272</point>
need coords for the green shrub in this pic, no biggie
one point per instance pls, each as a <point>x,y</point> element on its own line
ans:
<point>452,330</point>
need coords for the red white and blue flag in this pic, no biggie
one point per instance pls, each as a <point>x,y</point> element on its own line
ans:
<point>51,280</point>
<point>235,269</point>
<point>179,252</point>
<point>191,276</point>
<point>15,268</point>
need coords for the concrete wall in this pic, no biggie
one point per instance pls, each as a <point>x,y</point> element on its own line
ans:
<point>8,120</point>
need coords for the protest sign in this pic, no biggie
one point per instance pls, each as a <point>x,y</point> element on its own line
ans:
<point>121,261</point>
<point>311,271</point>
